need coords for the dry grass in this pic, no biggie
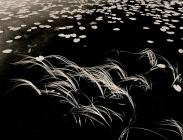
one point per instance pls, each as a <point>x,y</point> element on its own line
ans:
<point>62,79</point>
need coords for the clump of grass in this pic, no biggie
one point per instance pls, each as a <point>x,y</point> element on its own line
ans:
<point>159,62</point>
<point>62,79</point>
<point>168,125</point>
<point>173,125</point>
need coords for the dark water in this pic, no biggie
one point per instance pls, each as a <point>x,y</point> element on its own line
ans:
<point>97,31</point>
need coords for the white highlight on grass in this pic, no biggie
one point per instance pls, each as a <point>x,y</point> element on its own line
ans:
<point>40,58</point>
<point>162,66</point>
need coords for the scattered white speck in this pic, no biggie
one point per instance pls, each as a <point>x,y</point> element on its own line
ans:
<point>180,50</point>
<point>41,26</point>
<point>116,29</point>
<point>17,37</point>
<point>170,40</point>
<point>164,28</point>
<point>82,36</point>
<point>99,18</point>
<point>14,28</point>
<point>23,25</point>
<point>69,27</point>
<point>109,22</point>
<point>47,26</point>
<point>50,20</point>
<point>150,41</point>
<point>34,28</point>
<point>29,30</point>
<point>177,87</point>
<point>114,18</point>
<point>61,35</point>
<point>7,51</point>
<point>7,18</point>
<point>82,28</point>
<point>119,19</point>
<point>67,36</point>
<point>172,26</point>
<point>94,26</point>
<point>73,35</point>
<point>181,28</point>
<point>64,16</point>
<point>170,32</point>
<point>1,31</point>
<point>61,28</point>
<point>132,18</point>
<point>9,41</point>
<point>146,28</point>
<point>78,23</point>
<point>37,23</point>
<point>157,23</point>
<point>76,40</point>
<point>174,20</point>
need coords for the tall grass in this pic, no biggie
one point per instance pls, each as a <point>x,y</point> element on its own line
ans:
<point>62,79</point>
<point>157,61</point>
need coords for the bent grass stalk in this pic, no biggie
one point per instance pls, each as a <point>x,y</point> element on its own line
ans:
<point>176,126</point>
